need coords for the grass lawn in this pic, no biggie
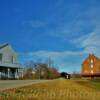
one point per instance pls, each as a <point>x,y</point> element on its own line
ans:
<point>90,83</point>
<point>60,89</point>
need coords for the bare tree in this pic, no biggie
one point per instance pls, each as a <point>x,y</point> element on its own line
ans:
<point>29,72</point>
<point>76,75</point>
<point>49,62</point>
<point>41,70</point>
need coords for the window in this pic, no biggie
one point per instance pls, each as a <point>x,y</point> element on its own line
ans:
<point>91,65</point>
<point>91,71</point>
<point>1,57</point>
<point>91,61</point>
<point>12,59</point>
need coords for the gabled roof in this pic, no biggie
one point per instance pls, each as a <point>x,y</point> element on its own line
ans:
<point>91,56</point>
<point>3,45</point>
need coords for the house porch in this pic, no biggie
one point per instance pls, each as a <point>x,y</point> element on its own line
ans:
<point>8,73</point>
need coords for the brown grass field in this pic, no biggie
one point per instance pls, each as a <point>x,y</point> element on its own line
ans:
<point>60,89</point>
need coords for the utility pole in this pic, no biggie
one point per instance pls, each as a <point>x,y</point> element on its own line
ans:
<point>39,71</point>
<point>49,62</point>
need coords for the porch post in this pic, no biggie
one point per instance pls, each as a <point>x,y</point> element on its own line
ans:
<point>8,73</point>
<point>22,74</point>
<point>16,74</point>
<point>0,75</point>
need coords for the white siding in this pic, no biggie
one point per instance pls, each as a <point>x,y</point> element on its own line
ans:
<point>8,52</point>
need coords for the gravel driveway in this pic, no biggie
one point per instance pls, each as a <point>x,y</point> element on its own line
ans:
<point>7,84</point>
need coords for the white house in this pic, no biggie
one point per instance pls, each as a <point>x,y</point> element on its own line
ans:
<point>9,66</point>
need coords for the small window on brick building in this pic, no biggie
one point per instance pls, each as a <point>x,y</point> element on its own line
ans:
<point>91,61</point>
<point>91,71</point>
<point>91,65</point>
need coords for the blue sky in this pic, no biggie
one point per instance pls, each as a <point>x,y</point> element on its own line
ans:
<point>64,30</point>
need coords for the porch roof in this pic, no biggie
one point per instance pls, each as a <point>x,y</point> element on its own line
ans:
<point>8,65</point>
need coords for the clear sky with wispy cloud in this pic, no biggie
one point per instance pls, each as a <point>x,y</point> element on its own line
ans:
<point>64,30</point>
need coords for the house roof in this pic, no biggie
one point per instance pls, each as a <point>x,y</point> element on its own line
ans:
<point>91,56</point>
<point>3,45</point>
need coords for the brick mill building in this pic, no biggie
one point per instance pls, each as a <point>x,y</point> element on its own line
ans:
<point>91,67</point>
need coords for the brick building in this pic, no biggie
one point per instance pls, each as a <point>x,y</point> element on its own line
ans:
<point>91,67</point>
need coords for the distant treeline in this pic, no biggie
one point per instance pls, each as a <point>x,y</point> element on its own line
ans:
<point>40,71</point>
